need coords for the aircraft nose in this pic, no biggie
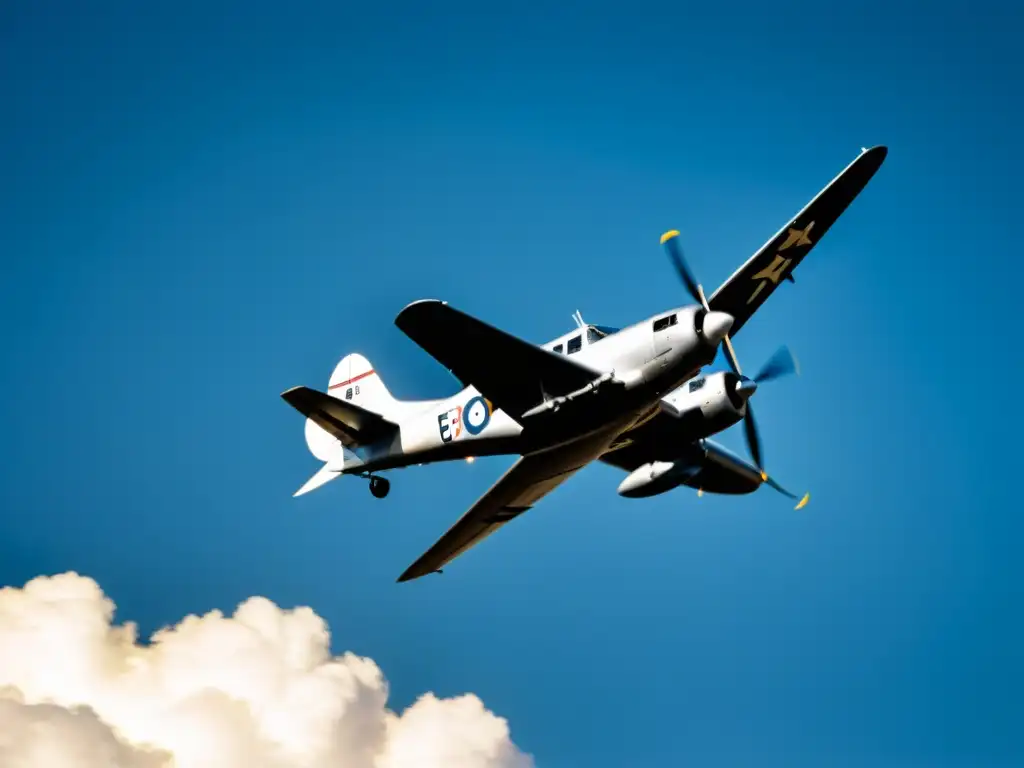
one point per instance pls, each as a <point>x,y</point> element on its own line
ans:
<point>716,326</point>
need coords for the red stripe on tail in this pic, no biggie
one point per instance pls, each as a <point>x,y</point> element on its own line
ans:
<point>353,379</point>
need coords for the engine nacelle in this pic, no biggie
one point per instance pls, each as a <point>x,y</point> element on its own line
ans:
<point>708,405</point>
<point>704,466</point>
<point>656,477</point>
<point>722,471</point>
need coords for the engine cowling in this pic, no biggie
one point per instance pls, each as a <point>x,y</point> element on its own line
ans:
<point>709,404</point>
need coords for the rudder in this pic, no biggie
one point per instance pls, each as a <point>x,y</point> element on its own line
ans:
<point>355,380</point>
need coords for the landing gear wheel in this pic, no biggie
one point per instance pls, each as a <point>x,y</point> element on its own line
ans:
<point>379,487</point>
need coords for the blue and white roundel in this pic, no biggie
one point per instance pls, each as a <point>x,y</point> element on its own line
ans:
<point>476,415</point>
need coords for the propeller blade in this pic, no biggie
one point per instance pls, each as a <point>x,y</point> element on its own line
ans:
<point>675,252</point>
<point>753,439</point>
<point>730,355</point>
<point>700,295</point>
<point>802,501</point>
<point>782,363</point>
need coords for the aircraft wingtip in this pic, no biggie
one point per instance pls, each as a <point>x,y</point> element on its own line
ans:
<point>409,574</point>
<point>415,573</point>
<point>875,154</point>
<point>420,302</point>
<point>415,311</point>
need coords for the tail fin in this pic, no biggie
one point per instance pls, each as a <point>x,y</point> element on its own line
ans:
<point>356,410</point>
<point>355,381</point>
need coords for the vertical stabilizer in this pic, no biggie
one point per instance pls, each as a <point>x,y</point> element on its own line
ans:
<point>355,381</point>
<point>357,411</point>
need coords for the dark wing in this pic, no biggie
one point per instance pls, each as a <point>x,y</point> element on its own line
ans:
<point>529,480</point>
<point>352,425</point>
<point>743,293</point>
<point>513,374</point>
<point>660,438</point>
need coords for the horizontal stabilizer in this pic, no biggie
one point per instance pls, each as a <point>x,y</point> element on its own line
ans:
<point>352,425</point>
<point>324,475</point>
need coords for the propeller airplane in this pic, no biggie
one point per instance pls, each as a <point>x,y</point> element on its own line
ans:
<point>633,397</point>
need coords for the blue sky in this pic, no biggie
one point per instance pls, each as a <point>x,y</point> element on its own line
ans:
<point>206,204</point>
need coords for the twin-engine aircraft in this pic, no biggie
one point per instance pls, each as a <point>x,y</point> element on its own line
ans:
<point>630,397</point>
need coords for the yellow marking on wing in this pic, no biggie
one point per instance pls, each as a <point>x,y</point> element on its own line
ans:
<point>760,287</point>
<point>774,270</point>
<point>797,237</point>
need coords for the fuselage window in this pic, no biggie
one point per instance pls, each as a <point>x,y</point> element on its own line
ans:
<point>697,384</point>
<point>664,322</point>
<point>557,348</point>
<point>575,344</point>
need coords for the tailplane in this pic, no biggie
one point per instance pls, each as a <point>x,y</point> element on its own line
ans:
<point>356,411</point>
<point>345,423</point>
<point>323,476</point>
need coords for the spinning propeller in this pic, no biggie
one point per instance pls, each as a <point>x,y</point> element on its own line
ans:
<point>781,364</point>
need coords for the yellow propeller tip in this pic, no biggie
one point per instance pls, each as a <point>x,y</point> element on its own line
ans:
<point>764,477</point>
<point>803,501</point>
<point>669,235</point>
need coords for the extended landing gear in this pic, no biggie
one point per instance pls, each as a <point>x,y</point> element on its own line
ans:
<point>379,487</point>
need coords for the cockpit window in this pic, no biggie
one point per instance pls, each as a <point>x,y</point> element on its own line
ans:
<point>664,322</point>
<point>597,332</point>
<point>557,348</point>
<point>575,344</point>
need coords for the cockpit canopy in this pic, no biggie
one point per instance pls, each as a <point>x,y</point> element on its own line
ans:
<point>601,330</point>
<point>574,342</point>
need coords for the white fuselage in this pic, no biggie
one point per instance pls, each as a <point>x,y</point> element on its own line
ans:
<point>646,361</point>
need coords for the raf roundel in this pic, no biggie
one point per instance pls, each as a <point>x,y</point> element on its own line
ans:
<point>476,415</point>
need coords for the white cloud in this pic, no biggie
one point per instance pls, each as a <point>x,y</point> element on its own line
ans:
<point>258,689</point>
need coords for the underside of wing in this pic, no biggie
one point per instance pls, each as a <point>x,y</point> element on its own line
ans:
<point>743,293</point>
<point>528,480</point>
<point>513,374</point>
<point>655,439</point>
<point>352,425</point>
